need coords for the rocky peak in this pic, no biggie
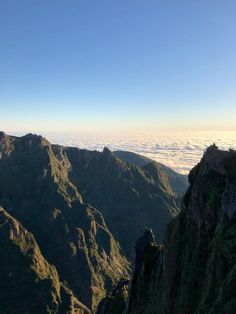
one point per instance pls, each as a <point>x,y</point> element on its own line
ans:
<point>116,302</point>
<point>212,188</point>
<point>145,241</point>
<point>213,159</point>
<point>35,139</point>
<point>195,269</point>
<point>2,135</point>
<point>107,152</point>
<point>143,296</point>
<point>36,189</point>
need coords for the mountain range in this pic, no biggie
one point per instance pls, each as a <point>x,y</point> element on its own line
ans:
<point>69,218</point>
<point>114,232</point>
<point>194,270</point>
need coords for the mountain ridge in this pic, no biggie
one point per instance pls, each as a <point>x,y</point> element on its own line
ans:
<point>72,235</point>
<point>194,271</point>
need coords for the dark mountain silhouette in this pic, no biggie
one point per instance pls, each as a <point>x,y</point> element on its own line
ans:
<point>194,271</point>
<point>128,196</point>
<point>29,284</point>
<point>169,178</point>
<point>61,197</point>
<point>61,206</point>
<point>36,190</point>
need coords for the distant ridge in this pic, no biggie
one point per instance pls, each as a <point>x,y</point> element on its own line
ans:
<point>177,182</point>
<point>84,209</point>
<point>194,270</point>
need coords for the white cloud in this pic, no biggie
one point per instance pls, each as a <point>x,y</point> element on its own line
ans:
<point>180,150</point>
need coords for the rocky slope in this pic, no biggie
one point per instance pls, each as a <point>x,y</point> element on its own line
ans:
<point>170,179</point>
<point>35,189</point>
<point>61,196</point>
<point>195,270</point>
<point>129,197</point>
<point>116,302</point>
<point>29,284</point>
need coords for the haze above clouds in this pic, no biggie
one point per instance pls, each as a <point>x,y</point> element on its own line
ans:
<point>73,65</point>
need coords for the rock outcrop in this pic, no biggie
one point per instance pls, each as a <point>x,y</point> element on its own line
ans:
<point>116,302</point>
<point>195,270</point>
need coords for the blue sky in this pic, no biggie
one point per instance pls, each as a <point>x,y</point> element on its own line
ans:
<point>108,64</point>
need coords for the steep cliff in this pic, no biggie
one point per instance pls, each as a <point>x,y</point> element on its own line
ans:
<point>116,302</point>
<point>29,284</point>
<point>72,202</point>
<point>163,175</point>
<point>129,197</point>
<point>35,189</point>
<point>195,270</point>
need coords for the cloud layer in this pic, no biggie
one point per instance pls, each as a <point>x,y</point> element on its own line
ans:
<point>178,150</point>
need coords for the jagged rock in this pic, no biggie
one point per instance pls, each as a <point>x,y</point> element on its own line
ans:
<point>145,241</point>
<point>29,284</point>
<point>146,275</point>
<point>48,189</point>
<point>36,189</point>
<point>116,303</point>
<point>195,270</point>
<point>128,196</point>
<point>170,180</point>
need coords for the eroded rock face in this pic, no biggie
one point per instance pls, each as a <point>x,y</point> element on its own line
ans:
<point>129,197</point>
<point>145,282</point>
<point>29,284</point>
<point>195,270</point>
<point>116,302</point>
<point>36,190</point>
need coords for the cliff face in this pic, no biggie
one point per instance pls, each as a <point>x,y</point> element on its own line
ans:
<point>36,190</point>
<point>169,179</point>
<point>129,197</point>
<point>195,270</point>
<point>146,279</point>
<point>116,302</point>
<point>29,284</point>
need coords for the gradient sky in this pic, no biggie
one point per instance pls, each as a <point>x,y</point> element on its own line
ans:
<point>106,64</point>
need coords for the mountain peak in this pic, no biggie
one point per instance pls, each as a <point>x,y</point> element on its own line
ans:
<point>2,134</point>
<point>194,271</point>
<point>214,176</point>
<point>35,138</point>
<point>107,151</point>
<point>146,240</point>
<point>32,135</point>
<point>212,147</point>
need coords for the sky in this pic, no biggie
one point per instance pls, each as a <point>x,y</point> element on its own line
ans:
<point>77,65</point>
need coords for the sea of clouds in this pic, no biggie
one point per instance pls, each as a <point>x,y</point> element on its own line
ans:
<point>180,150</point>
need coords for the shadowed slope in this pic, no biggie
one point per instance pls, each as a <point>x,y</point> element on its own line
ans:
<point>36,190</point>
<point>195,270</point>
<point>29,284</point>
<point>128,196</point>
<point>171,179</point>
